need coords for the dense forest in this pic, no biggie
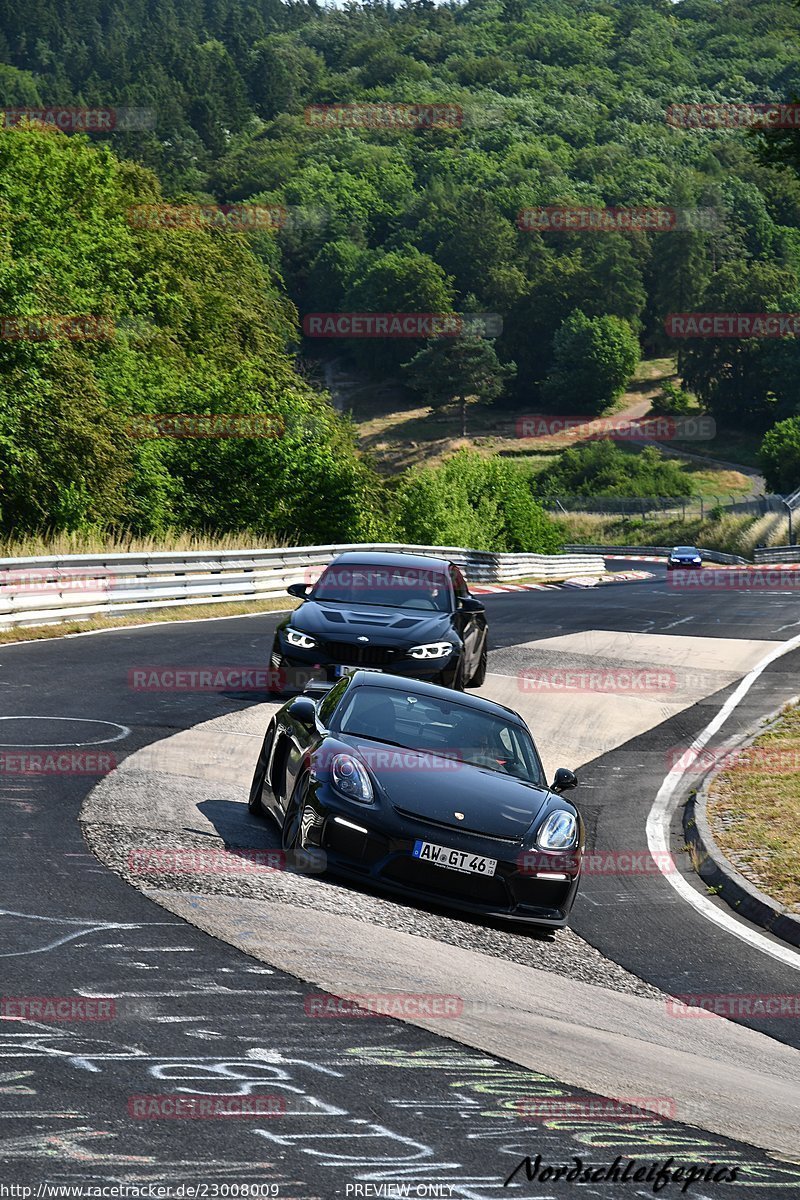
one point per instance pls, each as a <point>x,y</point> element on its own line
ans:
<point>561,103</point>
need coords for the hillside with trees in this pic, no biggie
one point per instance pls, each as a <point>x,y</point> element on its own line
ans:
<point>559,103</point>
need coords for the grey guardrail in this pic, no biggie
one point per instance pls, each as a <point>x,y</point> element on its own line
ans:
<point>777,554</point>
<point>715,556</point>
<point>48,589</point>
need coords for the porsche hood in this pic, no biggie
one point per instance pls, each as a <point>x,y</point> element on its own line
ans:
<point>430,787</point>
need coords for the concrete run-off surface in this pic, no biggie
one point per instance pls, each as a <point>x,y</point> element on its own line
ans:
<point>554,1005</point>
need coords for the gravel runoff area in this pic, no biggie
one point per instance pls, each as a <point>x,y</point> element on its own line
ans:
<point>562,952</point>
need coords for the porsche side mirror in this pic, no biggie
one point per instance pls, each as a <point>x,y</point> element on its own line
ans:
<point>299,590</point>
<point>471,604</point>
<point>303,710</point>
<point>564,780</point>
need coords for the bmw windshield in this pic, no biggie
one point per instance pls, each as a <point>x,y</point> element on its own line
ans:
<point>387,587</point>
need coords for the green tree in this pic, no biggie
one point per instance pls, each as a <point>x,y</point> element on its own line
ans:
<point>470,501</point>
<point>594,358</point>
<point>604,469</point>
<point>780,456</point>
<point>747,382</point>
<point>462,370</point>
<point>397,282</point>
<point>671,401</point>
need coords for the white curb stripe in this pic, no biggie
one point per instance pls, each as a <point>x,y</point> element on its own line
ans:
<point>658,823</point>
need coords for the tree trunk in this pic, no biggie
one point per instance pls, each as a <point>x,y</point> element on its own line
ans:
<point>463,403</point>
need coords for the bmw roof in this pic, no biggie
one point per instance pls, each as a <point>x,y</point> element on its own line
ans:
<point>380,558</point>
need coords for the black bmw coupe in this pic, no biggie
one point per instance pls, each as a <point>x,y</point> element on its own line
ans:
<point>405,613</point>
<point>416,789</point>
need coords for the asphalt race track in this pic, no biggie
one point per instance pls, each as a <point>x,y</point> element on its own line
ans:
<point>366,1103</point>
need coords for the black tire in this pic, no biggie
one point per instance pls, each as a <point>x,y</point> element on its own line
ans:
<point>480,671</point>
<point>276,691</point>
<point>292,822</point>
<point>254,799</point>
<point>260,774</point>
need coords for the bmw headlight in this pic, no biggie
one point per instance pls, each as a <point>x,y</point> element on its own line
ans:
<point>296,638</point>
<point>431,650</point>
<point>350,778</point>
<point>558,831</point>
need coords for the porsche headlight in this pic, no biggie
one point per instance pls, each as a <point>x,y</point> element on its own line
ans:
<point>558,831</point>
<point>296,638</point>
<point>350,778</point>
<point>431,650</point>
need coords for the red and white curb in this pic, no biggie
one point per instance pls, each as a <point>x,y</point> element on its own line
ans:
<point>489,589</point>
<point>577,581</point>
<point>654,558</point>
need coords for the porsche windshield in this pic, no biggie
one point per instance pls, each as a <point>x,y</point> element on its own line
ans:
<point>386,586</point>
<point>450,729</point>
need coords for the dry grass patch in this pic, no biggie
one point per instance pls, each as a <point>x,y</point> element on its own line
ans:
<point>110,542</point>
<point>754,811</point>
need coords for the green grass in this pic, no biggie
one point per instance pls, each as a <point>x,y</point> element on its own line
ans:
<point>732,534</point>
<point>729,445</point>
<point>754,810</point>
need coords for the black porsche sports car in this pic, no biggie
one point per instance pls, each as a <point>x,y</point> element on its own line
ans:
<point>405,613</point>
<point>422,791</point>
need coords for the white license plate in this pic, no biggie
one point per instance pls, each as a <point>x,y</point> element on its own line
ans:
<point>454,860</point>
<point>340,672</point>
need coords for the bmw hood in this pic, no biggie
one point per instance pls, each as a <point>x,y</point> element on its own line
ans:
<point>428,787</point>
<point>395,627</point>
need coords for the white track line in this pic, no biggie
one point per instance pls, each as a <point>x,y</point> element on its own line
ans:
<point>658,823</point>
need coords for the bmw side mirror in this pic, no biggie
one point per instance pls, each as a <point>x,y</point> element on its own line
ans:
<point>564,780</point>
<point>471,604</point>
<point>303,710</point>
<point>298,590</point>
